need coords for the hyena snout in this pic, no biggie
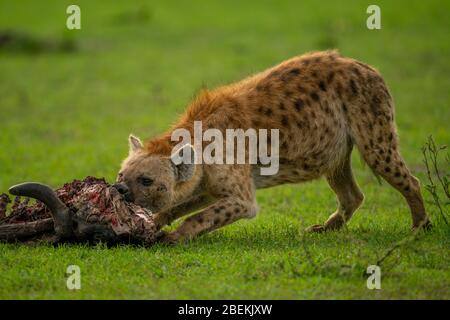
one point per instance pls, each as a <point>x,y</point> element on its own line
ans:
<point>124,190</point>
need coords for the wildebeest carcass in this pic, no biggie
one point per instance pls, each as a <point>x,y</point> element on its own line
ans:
<point>81,211</point>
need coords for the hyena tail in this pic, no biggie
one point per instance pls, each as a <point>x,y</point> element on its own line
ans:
<point>374,132</point>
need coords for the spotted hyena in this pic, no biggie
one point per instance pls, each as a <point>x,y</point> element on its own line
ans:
<point>322,104</point>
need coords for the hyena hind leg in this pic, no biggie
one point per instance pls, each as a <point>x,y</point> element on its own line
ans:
<point>380,150</point>
<point>391,166</point>
<point>348,194</point>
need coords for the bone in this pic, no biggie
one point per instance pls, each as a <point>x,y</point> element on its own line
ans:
<point>59,211</point>
<point>19,231</point>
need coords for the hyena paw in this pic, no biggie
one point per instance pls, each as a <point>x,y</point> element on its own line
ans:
<point>330,225</point>
<point>424,225</point>
<point>167,238</point>
<point>316,228</point>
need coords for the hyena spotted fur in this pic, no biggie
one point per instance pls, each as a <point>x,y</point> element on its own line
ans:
<point>322,104</point>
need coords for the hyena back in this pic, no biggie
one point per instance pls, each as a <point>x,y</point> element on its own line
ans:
<point>322,103</point>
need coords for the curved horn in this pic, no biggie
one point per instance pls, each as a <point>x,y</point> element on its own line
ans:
<point>59,211</point>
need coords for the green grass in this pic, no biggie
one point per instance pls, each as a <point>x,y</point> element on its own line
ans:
<point>134,67</point>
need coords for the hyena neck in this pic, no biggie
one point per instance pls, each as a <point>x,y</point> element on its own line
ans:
<point>208,107</point>
<point>161,145</point>
<point>184,191</point>
<point>204,105</point>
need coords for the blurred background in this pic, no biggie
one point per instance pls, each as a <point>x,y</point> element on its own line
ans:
<point>69,98</point>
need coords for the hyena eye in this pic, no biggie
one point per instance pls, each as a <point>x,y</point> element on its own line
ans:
<point>145,181</point>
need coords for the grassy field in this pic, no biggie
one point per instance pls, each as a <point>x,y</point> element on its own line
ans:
<point>69,99</point>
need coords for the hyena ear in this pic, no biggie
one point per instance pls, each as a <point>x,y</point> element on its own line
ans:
<point>135,144</point>
<point>182,160</point>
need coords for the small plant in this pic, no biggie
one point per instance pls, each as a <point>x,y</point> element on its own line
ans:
<point>438,179</point>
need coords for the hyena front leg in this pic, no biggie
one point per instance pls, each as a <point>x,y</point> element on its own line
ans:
<point>223,212</point>
<point>232,186</point>
<point>164,218</point>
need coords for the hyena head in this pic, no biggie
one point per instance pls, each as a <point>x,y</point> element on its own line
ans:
<point>151,180</point>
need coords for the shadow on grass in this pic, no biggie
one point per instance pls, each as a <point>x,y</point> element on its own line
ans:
<point>257,240</point>
<point>14,41</point>
<point>293,239</point>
